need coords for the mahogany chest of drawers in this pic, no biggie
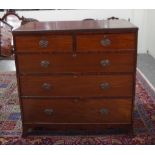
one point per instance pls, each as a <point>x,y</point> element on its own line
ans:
<point>76,76</point>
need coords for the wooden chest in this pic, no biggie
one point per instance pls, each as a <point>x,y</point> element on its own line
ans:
<point>76,76</point>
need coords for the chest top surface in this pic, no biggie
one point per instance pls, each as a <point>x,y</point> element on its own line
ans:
<point>83,25</point>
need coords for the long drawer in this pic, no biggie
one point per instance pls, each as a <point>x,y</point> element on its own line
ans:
<point>44,43</point>
<point>102,42</point>
<point>82,111</point>
<point>67,63</point>
<point>86,86</point>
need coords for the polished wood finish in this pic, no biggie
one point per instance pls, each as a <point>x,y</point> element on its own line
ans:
<point>83,111</point>
<point>93,42</point>
<point>86,86</point>
<point>76,75</point>
<point>81,26</point>
<point>79,63</point>
<point>57,43</point>
<point>76,129</point>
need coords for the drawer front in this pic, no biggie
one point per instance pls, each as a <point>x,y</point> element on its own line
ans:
<point>86,86</point>
<point>66,63</point>
<point>102,42</point>
<point>48,43</point>
<point>77,111</point>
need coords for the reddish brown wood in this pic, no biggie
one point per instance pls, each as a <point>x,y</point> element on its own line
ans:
<point>92,42</point>
<point>77,129</point>
<point>75,95</point>
<point>77,111</point>
<point>134,85</point>
<point>5,16</point>
<point>86,86</point>
<point>76,26</point>
<point>57,43</point>
<point>81,63</point>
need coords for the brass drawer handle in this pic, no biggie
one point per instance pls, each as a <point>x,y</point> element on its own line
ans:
<point>46,86</point>
<point>105,62</point>
<point>44,63</point>
<point>104,111</point>
<point>105,41</point>
<point>105,86</point>
<point>48,112</point>
<point>43,43</point>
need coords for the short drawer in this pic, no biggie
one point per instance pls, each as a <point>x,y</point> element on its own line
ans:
<point>42,43</point>
<point>102,42</point>
<point>77,111</point>
<point>68,63</point>
<point>86,86</point>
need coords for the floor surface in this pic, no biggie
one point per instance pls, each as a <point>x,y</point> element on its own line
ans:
<point>146,64</point>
